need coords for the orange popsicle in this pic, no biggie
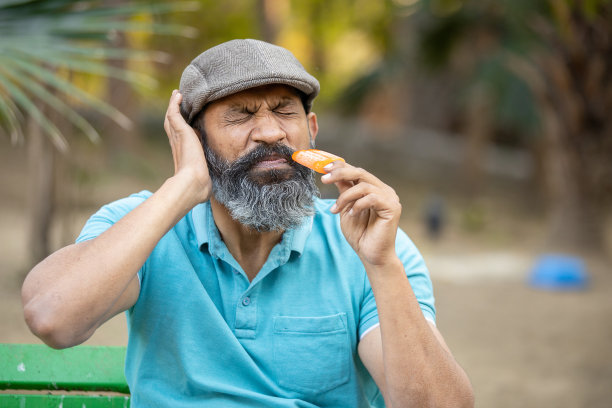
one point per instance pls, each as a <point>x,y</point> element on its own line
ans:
<point>314,159</point>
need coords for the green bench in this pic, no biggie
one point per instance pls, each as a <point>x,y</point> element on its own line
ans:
<point>37,376</point>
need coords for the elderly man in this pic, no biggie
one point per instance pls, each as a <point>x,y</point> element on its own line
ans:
<point>240,286</point>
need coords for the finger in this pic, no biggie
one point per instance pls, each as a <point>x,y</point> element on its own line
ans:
<point>366,203</point>
<point>341,185</point>
<point>365,196</point>
<point>347,198</point>
<point>167,128</point>
<point>173,113</point>
<point>346,174</point>
<point>376,206</point>
<point>171,104</point>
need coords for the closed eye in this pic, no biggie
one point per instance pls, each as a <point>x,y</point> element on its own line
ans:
<point>284,112</point>
<point>237,118</point>
<point>286,107</point>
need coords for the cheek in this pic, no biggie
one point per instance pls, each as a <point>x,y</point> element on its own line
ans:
<point>299,136</point>
<point>227,146</point>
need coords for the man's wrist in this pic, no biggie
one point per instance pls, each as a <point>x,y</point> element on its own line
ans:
<point>190,191</point>
<point>180,195</point>
<point>393,266</point>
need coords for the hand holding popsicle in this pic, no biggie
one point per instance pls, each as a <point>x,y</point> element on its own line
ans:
<point>369,209</point>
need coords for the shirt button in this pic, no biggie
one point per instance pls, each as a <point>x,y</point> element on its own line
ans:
<point>246,301</point>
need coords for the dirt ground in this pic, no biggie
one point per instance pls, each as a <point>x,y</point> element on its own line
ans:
<point>521,346</point>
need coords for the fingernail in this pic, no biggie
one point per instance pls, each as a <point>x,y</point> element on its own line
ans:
<point>334,208</point>
<point>325,177</point>
<point>174,92</point>
<point>329,167</point>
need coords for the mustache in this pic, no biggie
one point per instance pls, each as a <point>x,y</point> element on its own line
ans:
<point>242,165</point>
<point>264,151</point>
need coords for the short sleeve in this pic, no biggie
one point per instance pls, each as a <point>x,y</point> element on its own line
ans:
<point>109,214</point>
<point>419,278</point>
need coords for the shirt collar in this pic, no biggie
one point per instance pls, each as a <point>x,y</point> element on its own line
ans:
<point>201,215</point>
<point>206,230</point>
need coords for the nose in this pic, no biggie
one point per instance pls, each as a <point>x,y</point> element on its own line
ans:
<point>267,130</point>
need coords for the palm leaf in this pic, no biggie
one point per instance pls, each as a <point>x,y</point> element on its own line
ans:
<point>69,89</point>
<point>39,38</point>
<point>86,51</point>
<point>8,112</point>
<point>32,110</point>
<point>59,60</point>
<point>51,100</point>
<point>93,27</point>
<point>133,9</point>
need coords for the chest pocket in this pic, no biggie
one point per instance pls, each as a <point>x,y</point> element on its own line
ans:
<point>311,354</point>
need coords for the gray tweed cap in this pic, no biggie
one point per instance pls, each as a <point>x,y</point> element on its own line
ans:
<point>238,65</point>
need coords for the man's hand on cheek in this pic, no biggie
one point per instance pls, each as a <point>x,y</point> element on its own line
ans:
<point>187,153</point>
<point>369,212</point>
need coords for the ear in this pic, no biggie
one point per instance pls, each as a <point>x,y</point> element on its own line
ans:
<point>313,125</point>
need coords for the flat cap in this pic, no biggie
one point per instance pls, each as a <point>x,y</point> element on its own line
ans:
<point>237,65</point>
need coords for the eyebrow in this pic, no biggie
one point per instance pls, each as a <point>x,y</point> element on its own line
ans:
<point>284,101</point>
<point>240,107</point>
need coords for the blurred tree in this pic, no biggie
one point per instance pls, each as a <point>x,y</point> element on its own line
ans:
<point>217,21</point>
<point>268,20</point>
<point>571,80</point>
<point>335,40</point>
<point>118,95</point>
<point>522,72</point>
<point>42,45</point>
<point>562,51</point>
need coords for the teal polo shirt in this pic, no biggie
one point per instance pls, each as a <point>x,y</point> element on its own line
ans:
<point>202,335</point>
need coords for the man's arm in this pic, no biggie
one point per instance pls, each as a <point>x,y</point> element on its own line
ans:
<point>406,355</point>
<point>68,295</point>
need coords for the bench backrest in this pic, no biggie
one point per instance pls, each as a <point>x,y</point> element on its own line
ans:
<point>34,375</point>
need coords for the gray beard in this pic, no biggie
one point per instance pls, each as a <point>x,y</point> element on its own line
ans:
<point>274,200</point>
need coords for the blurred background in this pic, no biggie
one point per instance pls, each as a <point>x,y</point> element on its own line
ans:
<point>490,118</point>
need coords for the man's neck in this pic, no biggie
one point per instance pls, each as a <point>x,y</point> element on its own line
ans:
<point>250,248</point>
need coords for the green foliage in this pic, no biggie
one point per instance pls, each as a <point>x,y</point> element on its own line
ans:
<point>336,40</point>
<point>481,35</point>
<point>216,22</point>
<point>442,37</point>
<point>44,42</point>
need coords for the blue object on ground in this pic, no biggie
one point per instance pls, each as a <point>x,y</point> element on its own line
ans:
<point>559,272</point>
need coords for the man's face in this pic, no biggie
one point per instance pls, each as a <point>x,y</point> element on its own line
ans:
<point>249,140</point>
<point>268,114</point>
